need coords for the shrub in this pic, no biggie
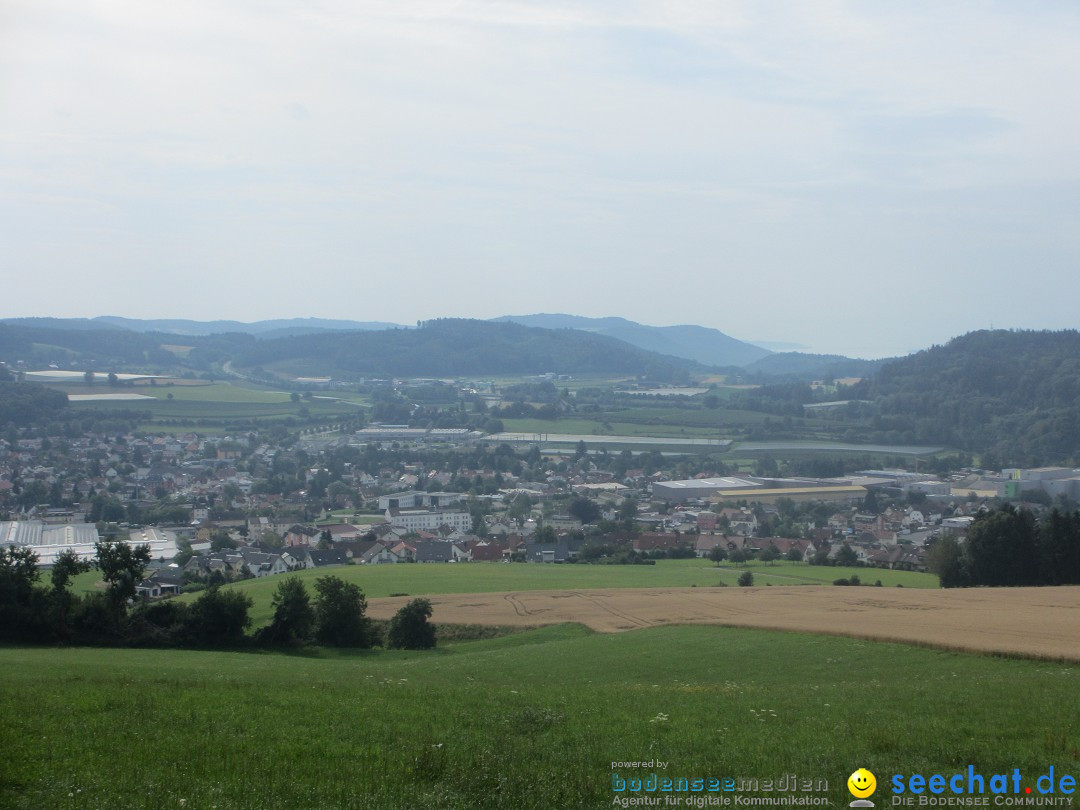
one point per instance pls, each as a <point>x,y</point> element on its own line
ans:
<point>339,615</point>
<point>746,579</point>
<point>294,617</point>
<point>410,629</point>
<point>219,617</point>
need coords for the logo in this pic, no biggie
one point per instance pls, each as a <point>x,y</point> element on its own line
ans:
<point>861,784</point>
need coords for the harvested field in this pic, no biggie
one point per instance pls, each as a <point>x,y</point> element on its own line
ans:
<point>1040,622</point>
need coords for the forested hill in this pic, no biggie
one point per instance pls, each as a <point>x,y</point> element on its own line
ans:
<point>464,347</point>
<point>792,366</point>
<point>1013,396</point>
<point>701,344</point>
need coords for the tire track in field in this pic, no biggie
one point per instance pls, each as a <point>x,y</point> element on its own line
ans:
<point>619,614</point>
<point>517,605</point>
<point>708,610</point>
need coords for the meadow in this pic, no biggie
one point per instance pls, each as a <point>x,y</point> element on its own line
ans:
<point>531,720</point>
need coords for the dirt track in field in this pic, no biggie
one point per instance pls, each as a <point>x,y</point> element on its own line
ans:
<point>1042,622</point>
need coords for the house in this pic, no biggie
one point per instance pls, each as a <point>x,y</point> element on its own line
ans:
<point>705,543</point>
<point>298,535</point>
<point>368,552</point>
<point>320,558</point>
<point>406,552</point>
<point>340,532</point>
<point>264,564</point>
<point>487,552</point>
<point>741,521</point>
<point>649,541</point>
<point>902,557</point>
<point>547,552</point>
<point>430,551</point>
<point>708,521</point>
<point>163,582</point>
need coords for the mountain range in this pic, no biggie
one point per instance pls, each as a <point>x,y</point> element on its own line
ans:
<point>706,346</point>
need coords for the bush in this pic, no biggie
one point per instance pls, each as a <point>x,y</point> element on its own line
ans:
<point>294,617</point>
<point>339,615</point>
<point>219,617</point>
<point>746,579</point>
<point>410,630</point>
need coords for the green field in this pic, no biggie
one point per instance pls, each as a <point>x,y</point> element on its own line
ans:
<point>195,409</point>
<point>532,720</point>
<point>430,579</point>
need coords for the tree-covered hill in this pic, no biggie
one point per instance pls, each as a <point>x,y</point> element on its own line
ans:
<point>23,404</point>
<point>791,366</point>
<point>1013,396</point>
<point>104,346</point>
<point>701,344</point>
<point>464,347</point>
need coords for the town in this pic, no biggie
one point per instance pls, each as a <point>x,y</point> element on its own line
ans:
<point>218,508</point>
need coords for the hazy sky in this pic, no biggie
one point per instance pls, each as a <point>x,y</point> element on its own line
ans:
<point>864,178</point>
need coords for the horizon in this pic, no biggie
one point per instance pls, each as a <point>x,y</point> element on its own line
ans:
<point>864,181</point>
<point>776,347</point>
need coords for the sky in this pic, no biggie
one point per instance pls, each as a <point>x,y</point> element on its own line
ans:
<point>863,178</point>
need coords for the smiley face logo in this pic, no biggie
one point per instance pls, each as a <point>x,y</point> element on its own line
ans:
<point>861,783</point>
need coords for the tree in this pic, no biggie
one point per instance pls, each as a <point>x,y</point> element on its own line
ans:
<point>122,566</point>
<point>794,554</point>
<point>739,556</point>
<point>220,540</point>
<point>410,629</point>
<point>339,614</point>
<point>627,509</point>
<point>294,617</point>
<point>717,554</point>
<point>545,534</point>
<point>520,509</point>
<point>769,554</point>
<point>479,525</point>
<point>946,559</point>
<point>1060,549</point>
<point>1002,548</point>
<point>220,617</point>
<point>18,574</point>
<point>870,502</point>
<point>584,509</point>
<point>846,556</point>
<point>67,566</point>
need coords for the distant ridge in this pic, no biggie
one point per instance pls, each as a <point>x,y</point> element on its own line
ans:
<point>696,344</point>
<point>707,346</point>
<point>457,346</point>
<point>180,326</point>
<point>281,327</point>
<point>800,366</point>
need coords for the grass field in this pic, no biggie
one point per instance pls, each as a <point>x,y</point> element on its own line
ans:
<point>426,580</point>
<point>192,410</point>
<point>533,720</point>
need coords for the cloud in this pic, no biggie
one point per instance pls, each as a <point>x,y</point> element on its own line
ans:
<point>743,148</point>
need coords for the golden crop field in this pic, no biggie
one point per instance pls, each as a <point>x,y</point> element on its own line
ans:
<point>1040,622</point>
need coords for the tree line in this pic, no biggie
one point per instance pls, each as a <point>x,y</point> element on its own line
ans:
<point>34,612</point>
<point>1011,547</point>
